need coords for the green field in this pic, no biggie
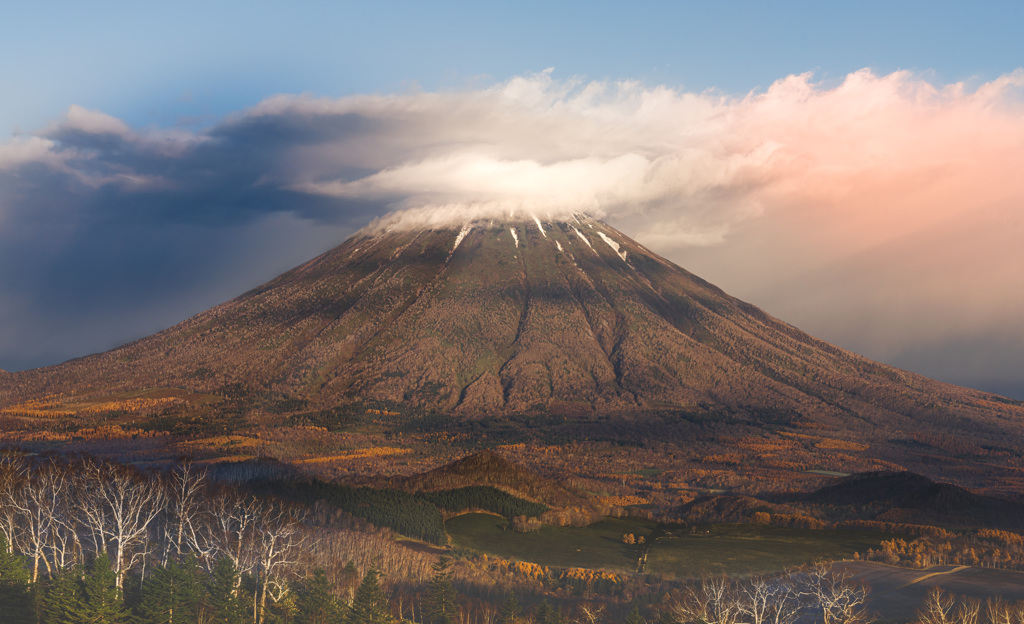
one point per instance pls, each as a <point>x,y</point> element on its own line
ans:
<point>711,549</point>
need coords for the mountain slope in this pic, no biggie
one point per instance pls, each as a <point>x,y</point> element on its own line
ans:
<point>497,318</point>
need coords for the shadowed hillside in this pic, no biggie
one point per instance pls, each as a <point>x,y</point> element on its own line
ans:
<point>917,499</point>
<point>490,468</point>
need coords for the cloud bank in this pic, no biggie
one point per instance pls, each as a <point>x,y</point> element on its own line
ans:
<point>882,212</point>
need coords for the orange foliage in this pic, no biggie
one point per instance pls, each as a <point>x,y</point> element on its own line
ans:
<point>377,451</point>
<point>832,444</point>
<point>797,521</point>
<point>105,432</point>
<point>56,406</point>
<point>585,574</point>
<point>732,459</point>
<point>1003,537</point>
<point>621,501</point>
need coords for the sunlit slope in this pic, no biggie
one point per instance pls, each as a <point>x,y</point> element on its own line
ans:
<point>500,318</point>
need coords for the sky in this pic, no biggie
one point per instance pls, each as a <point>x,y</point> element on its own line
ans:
<point>852,168</point>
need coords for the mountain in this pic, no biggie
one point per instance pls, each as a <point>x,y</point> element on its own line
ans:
<point>492,319</point>
<point>918,499</point>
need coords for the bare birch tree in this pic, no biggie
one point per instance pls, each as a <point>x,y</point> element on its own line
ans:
<point>13,477</point>
<point>233,519</point>
<point>280,534</point>
<point>37,504</point>
<point>186,490</point>
<point>119,509</point>
<point>833,597</point>
<point>769,601</point>
<point>714,601</point>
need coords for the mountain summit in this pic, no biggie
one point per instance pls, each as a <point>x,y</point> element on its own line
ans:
<point>524,316</point>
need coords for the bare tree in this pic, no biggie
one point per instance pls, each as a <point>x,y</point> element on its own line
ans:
<point>65,547</point>
<point>13,478</point>
<point>186,488</point>
<point>279,535</point>
<point>233,519</point>
<point>591,614</point>
<point>36,505</point>
<point>769,601</point>
<point>998,611</point>
<point>938,608</point>
<point>968,611</point>
<point>119,508</point>
<point>833,597</point>
<point>714,601</point>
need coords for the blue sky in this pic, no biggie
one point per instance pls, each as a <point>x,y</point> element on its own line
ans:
<point>175,62</point>
<point>819,159</point>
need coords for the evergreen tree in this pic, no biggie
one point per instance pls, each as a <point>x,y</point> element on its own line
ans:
<point>439,607</point>
<point>315,603</point>
<point>349,581</point>
<point>284,611</point>
<point>511,609</point>
<point>61,597</point>
<point>547,614</point>
<point>634,617</point>
<point>171,594</point>
<point>370,606</point>
<point>222,603</point>
<point>667,618</point>
<point>15,593</point>
<point>100,600</point>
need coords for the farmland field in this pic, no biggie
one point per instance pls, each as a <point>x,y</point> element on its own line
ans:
<point>675,552</point>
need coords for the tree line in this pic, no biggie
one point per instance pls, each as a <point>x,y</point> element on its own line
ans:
<point>71,524</point>
<point>85,540</point>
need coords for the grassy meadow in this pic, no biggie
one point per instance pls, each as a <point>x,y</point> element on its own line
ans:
<point>674,552</point>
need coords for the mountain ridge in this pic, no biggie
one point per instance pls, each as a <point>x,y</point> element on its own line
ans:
<point>493,318</point>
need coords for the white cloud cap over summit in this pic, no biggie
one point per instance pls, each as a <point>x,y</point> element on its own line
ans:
<point>908,190</point>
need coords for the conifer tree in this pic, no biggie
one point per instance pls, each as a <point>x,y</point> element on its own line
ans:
<point>370,606</point>
<point>440,602</point>
<point>15,593</point>
<point>667,618</point>
<point>100,601</point>
<point>61,597</point>
<point>171,594</point>
<point>316,604</point>
<point>349,582</point>
<point>511,609</point>
<point>222,603</point>
<point>547,614</point>
<point>634,617</point>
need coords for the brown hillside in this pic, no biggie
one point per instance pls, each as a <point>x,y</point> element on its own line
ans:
<point>492,320</point>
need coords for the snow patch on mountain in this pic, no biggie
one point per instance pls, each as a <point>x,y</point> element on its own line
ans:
<point>539,226</point>
<point>580,234</point>
<point>612,244</point>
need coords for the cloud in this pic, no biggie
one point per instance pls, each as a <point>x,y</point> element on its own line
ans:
<point>827,203</point>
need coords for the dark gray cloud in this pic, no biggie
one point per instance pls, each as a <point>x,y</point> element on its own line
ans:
<point>107,234</point>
